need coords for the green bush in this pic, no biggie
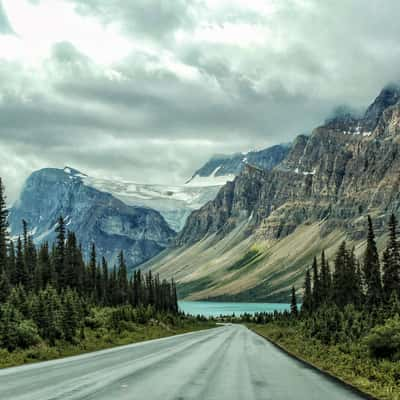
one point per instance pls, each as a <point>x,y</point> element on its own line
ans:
<point>384,340</point>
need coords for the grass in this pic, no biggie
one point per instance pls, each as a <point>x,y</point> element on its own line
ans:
<point>349,362</point>
<point>98,339</point>
<point>186,288</point>
<point>246,260</point>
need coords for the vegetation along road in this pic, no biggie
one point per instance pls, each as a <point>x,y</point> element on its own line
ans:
<point>228,362</point>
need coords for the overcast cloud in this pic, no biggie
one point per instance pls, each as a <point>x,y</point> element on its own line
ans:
<point>148,90</point>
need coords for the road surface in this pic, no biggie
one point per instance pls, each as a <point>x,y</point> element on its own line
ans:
<point>228,362</point>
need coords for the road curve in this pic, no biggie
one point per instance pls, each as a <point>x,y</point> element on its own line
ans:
<point>228,362</point>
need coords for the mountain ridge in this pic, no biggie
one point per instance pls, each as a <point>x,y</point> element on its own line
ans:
<point>331,179</point>
<point>95,216</point>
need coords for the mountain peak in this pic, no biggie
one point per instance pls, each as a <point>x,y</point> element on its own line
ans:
<point>388,96</point>
<point>73,171</point>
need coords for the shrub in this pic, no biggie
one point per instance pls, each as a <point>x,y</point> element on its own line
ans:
<point>384,340</point>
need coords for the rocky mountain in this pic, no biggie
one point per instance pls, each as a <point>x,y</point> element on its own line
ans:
<point>119,214</point>
<point>231,165</point>
<point>95,216</point>
<point>255,239</point>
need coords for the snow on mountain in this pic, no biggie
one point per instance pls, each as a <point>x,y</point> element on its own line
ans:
<point>175,203</point>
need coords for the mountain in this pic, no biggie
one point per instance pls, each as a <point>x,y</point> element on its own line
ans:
<point>119,214</point>
<point>263,229</point>
<point>221,166</point>
<point>94,215</point>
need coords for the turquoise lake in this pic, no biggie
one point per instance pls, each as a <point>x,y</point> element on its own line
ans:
<point>214,309</point>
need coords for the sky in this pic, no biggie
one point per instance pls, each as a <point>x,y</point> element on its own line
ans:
<point>148,90</point>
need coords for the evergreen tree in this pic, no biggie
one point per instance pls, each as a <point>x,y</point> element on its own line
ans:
<point>21,275</point>
<point>391,261</point>
<point>306,307</point>
<point>92,269</point>
<point>3,229</point>
<point>326,279</point>
<point>59,256</point>
<point>316,291</point>
<point>11,264</point>
<point>69,316</point>
<point>293,303</point>
<point>371,269</point>
<point>122,279</point>
<point>5,287</point>
<point>104,282</point>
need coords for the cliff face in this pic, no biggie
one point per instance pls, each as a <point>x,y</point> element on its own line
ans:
<point>346,169</point>
<point>95,216</point>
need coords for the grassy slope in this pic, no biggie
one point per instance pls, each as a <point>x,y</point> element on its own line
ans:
<point>245,268</point>
<point>352,365</point>
<point>98,339</point>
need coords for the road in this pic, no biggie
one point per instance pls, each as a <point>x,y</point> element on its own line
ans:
<point>228,362</point>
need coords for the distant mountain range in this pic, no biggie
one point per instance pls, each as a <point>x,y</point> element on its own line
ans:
<point>255,239</point>
<point>94,215</point>
<point>140,219</point>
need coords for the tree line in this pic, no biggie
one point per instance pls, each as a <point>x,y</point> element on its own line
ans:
<point>367,284</point>
<point>47,290</point>
<point>357,298</point>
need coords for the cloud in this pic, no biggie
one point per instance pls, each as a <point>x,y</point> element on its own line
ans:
<point>198,77</point>
<point>154,19</point>
<point>5,26</point>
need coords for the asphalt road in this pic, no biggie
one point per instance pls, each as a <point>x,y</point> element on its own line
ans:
<point>228,362</point>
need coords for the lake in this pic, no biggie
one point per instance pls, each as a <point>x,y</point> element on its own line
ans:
<point>214,308</point>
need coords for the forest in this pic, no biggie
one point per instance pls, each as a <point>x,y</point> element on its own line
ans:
<point>349,321</point>
<point>51,298</point>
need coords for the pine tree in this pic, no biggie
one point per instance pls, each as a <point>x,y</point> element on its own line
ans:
<point>306,307</point>
<point>371,269</point>
<point>122,278</point>
<point>293,303</point>
<point>326,279</point>
<point>70,315</point>
<point>316,285</point>
<point>104,282</point>
<point>11,264</point>
<point>5,287</point>
<point>339,276</point>
<point>92,269</point>
<point>21,275</point>
<point>3,229</point>
<point>59,259</point>
<point>391,262</point>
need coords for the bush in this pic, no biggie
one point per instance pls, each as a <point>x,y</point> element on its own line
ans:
<point>384,341</point>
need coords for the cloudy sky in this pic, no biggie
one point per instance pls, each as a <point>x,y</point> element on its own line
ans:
<point>148,90</point>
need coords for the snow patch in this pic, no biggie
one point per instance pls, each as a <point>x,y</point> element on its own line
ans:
<point>212,180</point>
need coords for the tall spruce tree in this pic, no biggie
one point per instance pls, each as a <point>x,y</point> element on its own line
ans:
<point>122,278</point>
<point>325,279</point>
<point>307,304</point>
<point>59,259</point>
<point>92,269</point>
<point>293,303</point>
<point>391,262</point>
<point>3,229</point>
<point>105,282</point>
<point>371,269</point>
<point>316,290</point>
<point>339,276</point>
<point>21,275</point>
